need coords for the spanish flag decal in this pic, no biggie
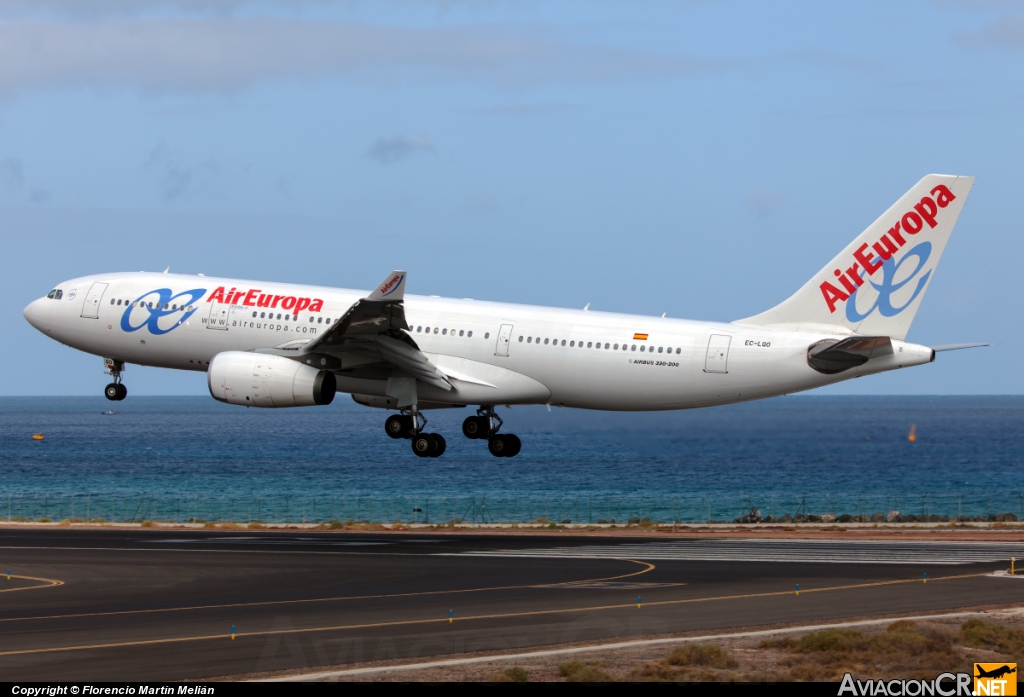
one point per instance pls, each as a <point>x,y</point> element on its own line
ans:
<point>639,337</point>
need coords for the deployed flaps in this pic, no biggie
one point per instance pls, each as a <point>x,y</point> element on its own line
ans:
<point>830,356</point>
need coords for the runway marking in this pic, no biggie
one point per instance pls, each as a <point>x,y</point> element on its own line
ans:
<point>749,550</point>
<point>648,567</point>
<point>495,658</point>
<point>46,583</point>
<point>469,618</point>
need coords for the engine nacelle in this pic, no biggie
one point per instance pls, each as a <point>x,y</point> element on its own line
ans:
<point>260,380</point>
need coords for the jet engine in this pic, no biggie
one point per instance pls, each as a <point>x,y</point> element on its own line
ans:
<point>260,380</point>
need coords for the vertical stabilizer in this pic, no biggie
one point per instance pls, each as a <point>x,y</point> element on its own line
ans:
<point>876,284</point>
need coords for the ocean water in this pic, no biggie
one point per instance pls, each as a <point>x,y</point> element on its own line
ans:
<point>192,457</point>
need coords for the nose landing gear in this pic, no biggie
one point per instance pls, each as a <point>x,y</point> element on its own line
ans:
<point>410,424</point>
<point>115,391</point>
<point>485,425</point>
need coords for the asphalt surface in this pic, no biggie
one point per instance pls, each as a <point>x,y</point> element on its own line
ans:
<point>111,604</point>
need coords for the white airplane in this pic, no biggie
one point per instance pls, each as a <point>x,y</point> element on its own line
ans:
<point>280,345</point>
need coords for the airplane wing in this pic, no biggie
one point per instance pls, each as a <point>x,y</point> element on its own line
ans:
<point>372,339</point>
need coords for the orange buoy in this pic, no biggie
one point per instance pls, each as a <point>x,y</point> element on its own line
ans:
<point>912,436</point>
<point>37,436</point>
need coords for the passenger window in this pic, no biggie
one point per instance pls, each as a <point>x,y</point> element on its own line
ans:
<point>444,331</point>
<point>119,301</point>
<point>529,339</point>
<point>545,342</point>
<point>606,345</point>
<point>487,335</point>
<point>253,314</point>
<point>641,348</point>
<point>677,351</point>
<point>616,347</point>
<point>661,349</point>
<point>111,301</point>
<point>419,329</point>
<point>520,339</point>
<point>469,334</point>
<point>589,344</point>
<point>572,344</point>
<point>328,320</point>
<point>461,332</point>
<point>435,330</point>
<point>311,319</point>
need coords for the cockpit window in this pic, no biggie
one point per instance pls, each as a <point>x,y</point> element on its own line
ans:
<point>52,294</point>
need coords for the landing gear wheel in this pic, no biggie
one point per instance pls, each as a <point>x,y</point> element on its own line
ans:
<point>499,445</point>
<point>112,392</point>
<point>514,445</point>
<point>475,427</point>
<point>424,444</point>
<point>122,391</point>
<point>439,445</point>
<point>398,426</point>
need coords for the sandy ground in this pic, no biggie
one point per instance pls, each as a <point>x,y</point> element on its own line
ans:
<point>958,532</point>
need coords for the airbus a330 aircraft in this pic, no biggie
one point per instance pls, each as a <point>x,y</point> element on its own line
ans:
<point>277,345</point>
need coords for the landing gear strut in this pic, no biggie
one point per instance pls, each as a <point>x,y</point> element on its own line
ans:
<point>115,391</point>
<point>485,425</point>
<point>410,424</point>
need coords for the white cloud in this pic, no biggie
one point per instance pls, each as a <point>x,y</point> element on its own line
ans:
<point>764,201</point>
<point>219,54</point>
<point>387,151</point>
<point>1005,32</point>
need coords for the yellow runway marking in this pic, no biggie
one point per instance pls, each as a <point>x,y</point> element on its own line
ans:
<point>468,618</point>
<point>44,583</point>
<point>340,598</point>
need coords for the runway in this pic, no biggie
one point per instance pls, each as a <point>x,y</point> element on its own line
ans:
<point>114,604</point>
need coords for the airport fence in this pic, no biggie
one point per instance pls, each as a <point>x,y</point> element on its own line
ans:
<point>580,508</point>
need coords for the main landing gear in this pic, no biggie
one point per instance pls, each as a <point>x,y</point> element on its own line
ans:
<point>115,391</point>
<point>410,424</point>
<point>485,425</point>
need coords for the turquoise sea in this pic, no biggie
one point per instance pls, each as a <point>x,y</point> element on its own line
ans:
<point>192,457</point>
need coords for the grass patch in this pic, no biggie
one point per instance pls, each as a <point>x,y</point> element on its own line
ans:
<point>45,520</point>
<point>513,674</point>
<point>903,649</point>
<point>64,522</point>
<point>580,671</point>
<point>979,634</point>
<point>256,526</point>
<point>147,524</point>
<point>690,663</point>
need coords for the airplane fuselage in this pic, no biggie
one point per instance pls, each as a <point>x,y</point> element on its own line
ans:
<point>494,353</point>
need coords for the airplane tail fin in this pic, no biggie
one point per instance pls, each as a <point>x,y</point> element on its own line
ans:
<point>876,284</point>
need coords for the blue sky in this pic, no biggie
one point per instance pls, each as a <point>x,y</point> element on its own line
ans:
<point>696,158</point>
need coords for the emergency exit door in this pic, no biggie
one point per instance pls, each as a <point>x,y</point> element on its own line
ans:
<point>218,318</point>
<point>504,336</point>
<point>91,307</point>
<point>717,360</point>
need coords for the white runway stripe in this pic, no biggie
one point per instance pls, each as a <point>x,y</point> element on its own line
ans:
<point>812,551</point>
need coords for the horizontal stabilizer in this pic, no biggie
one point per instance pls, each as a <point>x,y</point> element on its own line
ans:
<point>830,356</point>
<point>955,347</point>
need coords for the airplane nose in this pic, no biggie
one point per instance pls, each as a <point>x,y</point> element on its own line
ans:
<point>34,313</point>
